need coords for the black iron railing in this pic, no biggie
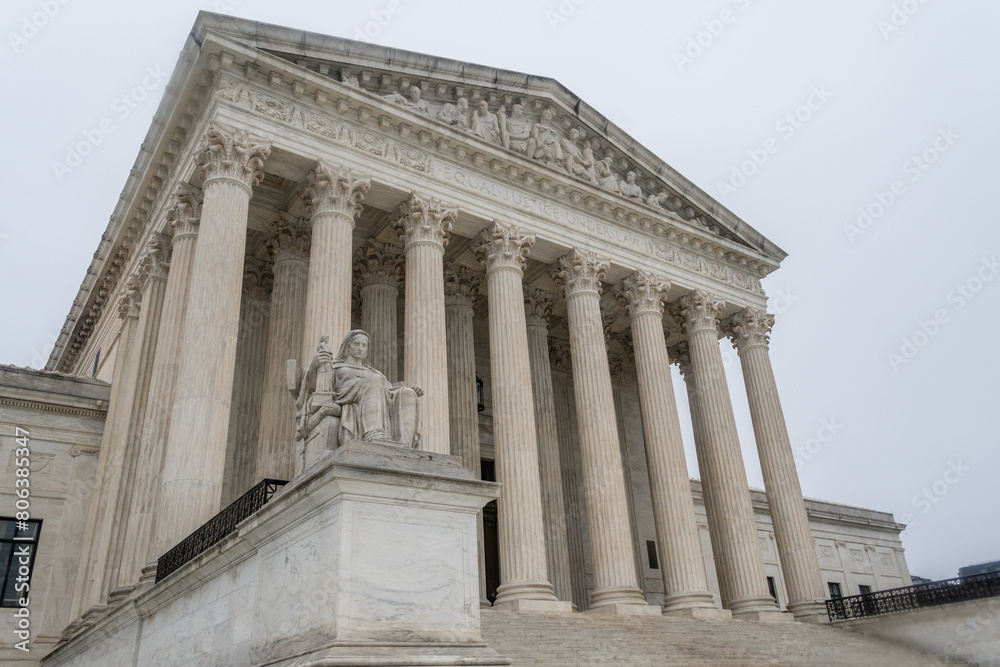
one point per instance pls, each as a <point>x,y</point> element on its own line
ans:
<point>218,527</point>
<point>890,601</point>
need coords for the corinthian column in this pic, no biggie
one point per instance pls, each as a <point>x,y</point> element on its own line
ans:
<point>248,383</point>
<point>195,459</point>
<point>538,308</point>
<point>524,585</point>
<point>424,226</point>
<point>378,267</point>
<point>750,330</point>
<point>289,251</point>
<point>562,389</point>
<point>682,567</point>
<point>334,197</point>
<point>731,522</point>
<point>140,547</point>
<point>615,586</point>
<point>461,288</point>
<point>90,596</point>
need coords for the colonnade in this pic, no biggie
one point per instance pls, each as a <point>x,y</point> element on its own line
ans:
<point>178,427</point>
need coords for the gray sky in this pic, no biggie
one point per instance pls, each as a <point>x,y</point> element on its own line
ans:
<point>860,136</point>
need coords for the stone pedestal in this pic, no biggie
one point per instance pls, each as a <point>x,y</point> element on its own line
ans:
<point>368,558</point>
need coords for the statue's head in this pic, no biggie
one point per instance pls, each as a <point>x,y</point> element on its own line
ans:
<point>517,109</point>
<point>484,106</point>
<point>355,345</point>
<point>415,92</point>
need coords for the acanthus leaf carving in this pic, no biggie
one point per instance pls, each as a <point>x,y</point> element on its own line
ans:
<point>377,263</point>
<point>750,327</point>
<point>538,306</point>
<point>130,300</point>
<point>232,155</point>
<point>642,292</point>
<point>335,190</point>
<point>461,285</point>
<point>698,310</point>
<point>289,240</point>
<point>580,271</point>
<point>503,246</point>
<point>425,219</point>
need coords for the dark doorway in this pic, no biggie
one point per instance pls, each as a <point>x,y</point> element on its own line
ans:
<point>491,539</point>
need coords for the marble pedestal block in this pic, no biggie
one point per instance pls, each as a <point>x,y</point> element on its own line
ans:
<point>368,557</point>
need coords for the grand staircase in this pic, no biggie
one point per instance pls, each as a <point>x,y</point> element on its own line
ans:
<point>587,639</point>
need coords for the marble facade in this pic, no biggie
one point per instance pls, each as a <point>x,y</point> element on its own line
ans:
<point>296,186</point>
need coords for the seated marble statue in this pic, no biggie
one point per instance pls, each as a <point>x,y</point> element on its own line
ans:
<point>368,406</point>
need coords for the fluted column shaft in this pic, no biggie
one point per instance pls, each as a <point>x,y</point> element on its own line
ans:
<point>796,545</point>
<point>153,278</point>
<point>140,547</point>
<point>538,308</point>
<point>425,226</point>
<point>91,589</point>
<point>334,197</point>
<point>521,531</point>
<point>248,383</point>
<point>731,522</point>
<point>461,288</point>
<point>603,476</point>
<point>378,267</point>
<point>682,567</point>
<point>276,457</point>
<point>195,459</point>
<point>562,390</point>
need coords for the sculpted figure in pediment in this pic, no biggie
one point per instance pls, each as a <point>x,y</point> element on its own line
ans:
<point>546,141</point>
<point>456,114</point>
<point>606,177</point>
<point>485,124</point>
<point>515,131</point>
<point>629,188</point>
<point>657,200</point>
<point>414,102</point>
<point>579,163</point>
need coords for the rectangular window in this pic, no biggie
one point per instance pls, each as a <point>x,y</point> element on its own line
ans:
<point>834,590</point>
<point>654,564</point>
<point>865,590</point>
<point>770,587</point>
<point>17,557</point>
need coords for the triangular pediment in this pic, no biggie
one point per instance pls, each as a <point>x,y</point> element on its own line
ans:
<point>550,125</point>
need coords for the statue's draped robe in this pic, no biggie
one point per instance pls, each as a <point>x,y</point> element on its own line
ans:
<point>367,403</point>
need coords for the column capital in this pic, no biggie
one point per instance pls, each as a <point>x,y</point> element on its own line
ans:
<point>130,300</point>
<point>580,271</point>
<point>538,305</point>
<point>257,279</point>
<point>697,311</point>
<point>680,354</point>
<point>749,327</point>
<point>289,239</point>
<point>425,219</point>
<point>503,247</point>
<point>559,355</point>
<point>378,263</point>
<point>153,264</point>
<point>642,292</point>
<point>184,215</point>
<point>461,285</point>
<point>334,189</point>
<point>232,155</point>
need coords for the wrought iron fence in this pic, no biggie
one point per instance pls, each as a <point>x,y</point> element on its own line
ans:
<point>914,597</point>
<point>218,527</point>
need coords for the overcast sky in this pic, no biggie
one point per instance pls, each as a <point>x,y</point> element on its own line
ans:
<point>860,136</point>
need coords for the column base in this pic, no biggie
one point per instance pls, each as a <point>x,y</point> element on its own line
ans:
<point>701,613</point>
<point>148,574</point>
<point>485,604</point>
<point>524,591</point>
<point>535,606</point>
<point>809,611</point>
<point>617,609</point>
<point>688,600</point>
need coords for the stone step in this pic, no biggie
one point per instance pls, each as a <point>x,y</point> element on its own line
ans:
<point>544,640</point>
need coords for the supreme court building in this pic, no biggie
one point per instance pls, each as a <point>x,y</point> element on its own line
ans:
<point>509,250</point>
